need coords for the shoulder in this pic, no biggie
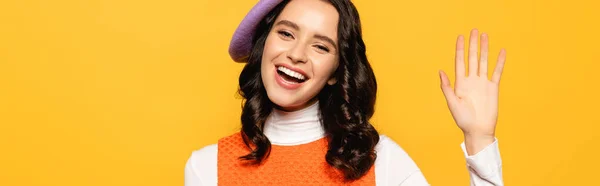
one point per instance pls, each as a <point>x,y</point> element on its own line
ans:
<point>205,152</point>
<point>207,156</point>
<point>387,149</point>
<point>233,138</point>
<point>202,158</point>
<point>389,146</point>
<point>201,166</point>
<point>393,161</point>
<point>210,152</point>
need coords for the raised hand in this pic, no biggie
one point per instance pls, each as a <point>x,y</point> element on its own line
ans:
<point>473,102</point>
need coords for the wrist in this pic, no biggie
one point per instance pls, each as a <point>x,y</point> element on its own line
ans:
<point>474,143</point>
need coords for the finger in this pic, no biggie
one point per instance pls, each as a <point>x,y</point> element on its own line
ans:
<point>473,52</point>
<point>499,67</point>
<point>459,58</point>
<point>483,60</point>
<point>447,89</point>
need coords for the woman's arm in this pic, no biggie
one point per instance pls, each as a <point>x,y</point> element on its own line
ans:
<point>191,176</point>
<point>394,166</point>
<point>485,167</point>
<point>201,167</point>
<point>473,104</point>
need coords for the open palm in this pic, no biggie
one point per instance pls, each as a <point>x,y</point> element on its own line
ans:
<point>473,102</point>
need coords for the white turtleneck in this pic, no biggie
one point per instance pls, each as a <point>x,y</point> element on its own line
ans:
<point>393,166</point>
<point>294,128</point>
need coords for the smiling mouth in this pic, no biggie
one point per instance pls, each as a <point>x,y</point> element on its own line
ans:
<point>290,75</point>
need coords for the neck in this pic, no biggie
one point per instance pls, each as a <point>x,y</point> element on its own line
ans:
<point>295,127</point>
<point>296,108</point>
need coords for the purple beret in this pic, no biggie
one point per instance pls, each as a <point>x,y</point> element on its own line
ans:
<point>241,42</point>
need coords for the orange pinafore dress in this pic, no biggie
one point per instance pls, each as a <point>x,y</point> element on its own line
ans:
<point>286,165</point>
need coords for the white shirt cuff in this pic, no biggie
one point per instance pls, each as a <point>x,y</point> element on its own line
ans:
<point>487,163</point>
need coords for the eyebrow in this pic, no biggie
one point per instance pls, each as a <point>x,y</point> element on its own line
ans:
<point>288,23</point>
<point>296,27</point>
<point>326,39</point>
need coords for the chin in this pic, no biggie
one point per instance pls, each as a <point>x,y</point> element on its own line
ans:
<point>285,102</point>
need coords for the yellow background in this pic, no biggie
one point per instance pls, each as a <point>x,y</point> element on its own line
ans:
<point>113,92</point>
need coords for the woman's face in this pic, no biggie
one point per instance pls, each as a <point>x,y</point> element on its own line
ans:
<point>300,53</point>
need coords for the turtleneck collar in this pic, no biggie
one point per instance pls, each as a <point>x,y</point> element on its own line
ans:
<point>294,128</point>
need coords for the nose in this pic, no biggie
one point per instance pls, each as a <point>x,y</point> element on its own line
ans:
<point>297,53</point>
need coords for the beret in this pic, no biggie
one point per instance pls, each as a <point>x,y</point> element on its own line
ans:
<point>241,42</point>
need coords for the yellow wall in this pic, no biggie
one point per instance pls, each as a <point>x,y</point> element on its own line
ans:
<point>112,92</point>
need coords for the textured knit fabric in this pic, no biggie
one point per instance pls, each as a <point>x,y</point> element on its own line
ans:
<point>286,165</point>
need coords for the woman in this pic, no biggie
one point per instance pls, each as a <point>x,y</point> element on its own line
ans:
<point>309,92</point>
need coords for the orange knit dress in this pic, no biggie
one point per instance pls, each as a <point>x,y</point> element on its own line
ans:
<point>286,165</point>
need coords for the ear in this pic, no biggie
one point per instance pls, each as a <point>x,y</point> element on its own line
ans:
<point>332,81</point>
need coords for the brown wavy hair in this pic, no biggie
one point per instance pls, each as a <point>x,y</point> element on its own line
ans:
<point>344,107</point>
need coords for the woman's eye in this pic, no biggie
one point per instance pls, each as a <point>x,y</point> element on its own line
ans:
<point>285,34</point>
<point>323,48</point>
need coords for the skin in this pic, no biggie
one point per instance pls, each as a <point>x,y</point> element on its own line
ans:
<point>304,36</point>
<point>474,100</point>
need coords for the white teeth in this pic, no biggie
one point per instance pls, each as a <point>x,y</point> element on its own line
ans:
<point>290,72</point>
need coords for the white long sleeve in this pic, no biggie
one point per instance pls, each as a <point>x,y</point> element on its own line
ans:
<point>485,167</point>
<point>201,167</point>
<point>191,176</point>
<point>394,166</point>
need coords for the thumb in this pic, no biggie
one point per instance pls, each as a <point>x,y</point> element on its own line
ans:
<point>447,89</point>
